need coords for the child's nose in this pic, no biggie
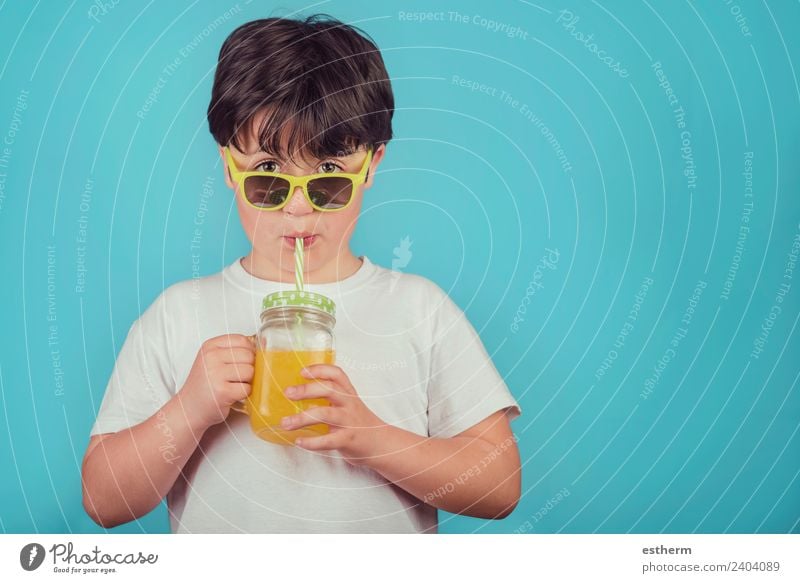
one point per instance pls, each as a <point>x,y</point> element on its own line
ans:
<point>298,204</point>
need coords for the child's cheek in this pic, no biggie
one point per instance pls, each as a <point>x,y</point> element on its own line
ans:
<point>260,230</point>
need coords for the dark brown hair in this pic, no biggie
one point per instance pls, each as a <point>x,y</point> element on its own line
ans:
<point>322,84</point>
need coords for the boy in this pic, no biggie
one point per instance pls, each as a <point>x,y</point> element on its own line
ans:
<point>298,98</point>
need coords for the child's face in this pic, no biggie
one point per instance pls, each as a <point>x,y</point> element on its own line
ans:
<point>272,232</point>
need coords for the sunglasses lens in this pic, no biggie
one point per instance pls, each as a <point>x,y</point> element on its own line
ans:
<point>266,191</point>
<point>330,192</point>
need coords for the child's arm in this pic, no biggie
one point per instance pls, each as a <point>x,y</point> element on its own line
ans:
<point>127,473</point>
<point>476,472</point>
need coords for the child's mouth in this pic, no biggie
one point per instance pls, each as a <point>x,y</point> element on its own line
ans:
<point>307,241</point>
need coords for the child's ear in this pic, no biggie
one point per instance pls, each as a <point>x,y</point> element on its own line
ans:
<point>377,156</point>
<point>225,170</point>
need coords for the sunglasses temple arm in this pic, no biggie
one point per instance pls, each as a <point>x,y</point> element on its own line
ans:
<point>369,165</point>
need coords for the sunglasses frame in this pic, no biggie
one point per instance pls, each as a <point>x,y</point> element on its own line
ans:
<point>240,176</point>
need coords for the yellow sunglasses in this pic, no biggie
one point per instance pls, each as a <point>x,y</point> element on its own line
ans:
<point>271,191</point>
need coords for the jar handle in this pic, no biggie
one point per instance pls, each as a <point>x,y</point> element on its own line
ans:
<point>240,406</point>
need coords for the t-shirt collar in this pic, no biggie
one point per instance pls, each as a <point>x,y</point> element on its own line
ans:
<point>236,274</point>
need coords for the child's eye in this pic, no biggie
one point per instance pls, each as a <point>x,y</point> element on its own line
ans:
<point>267,166</point>
<point>329,167</point>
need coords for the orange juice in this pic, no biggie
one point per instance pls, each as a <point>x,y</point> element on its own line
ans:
<point>267,405</point>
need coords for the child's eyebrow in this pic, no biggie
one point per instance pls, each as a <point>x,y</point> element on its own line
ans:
<point>280,158</point>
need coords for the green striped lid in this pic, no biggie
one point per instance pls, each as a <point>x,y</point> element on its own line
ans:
<point>299,299</point>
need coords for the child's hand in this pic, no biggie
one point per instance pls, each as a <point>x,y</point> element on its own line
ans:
<point>352,425</point>
<point>221,375</point>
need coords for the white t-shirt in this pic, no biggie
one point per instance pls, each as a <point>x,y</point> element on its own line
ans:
<point>409,351</point>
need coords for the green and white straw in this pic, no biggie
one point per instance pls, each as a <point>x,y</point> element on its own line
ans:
<point>298,280</point>
<point>298,263</point>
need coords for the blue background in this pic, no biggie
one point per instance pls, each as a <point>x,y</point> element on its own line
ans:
<point>559,151</point>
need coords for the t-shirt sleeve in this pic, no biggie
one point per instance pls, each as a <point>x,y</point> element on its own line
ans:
<point>464,386</point>
<point>142,380</point>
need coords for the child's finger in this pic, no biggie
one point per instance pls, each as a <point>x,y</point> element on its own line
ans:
<point>237,355</point>
<point>329,415</point>
<point>327,372</point>
<point>315,390</point>
<point>239,391</point>
<point>230,341</point>
<point>325,442</point>
<point>239,372</point>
